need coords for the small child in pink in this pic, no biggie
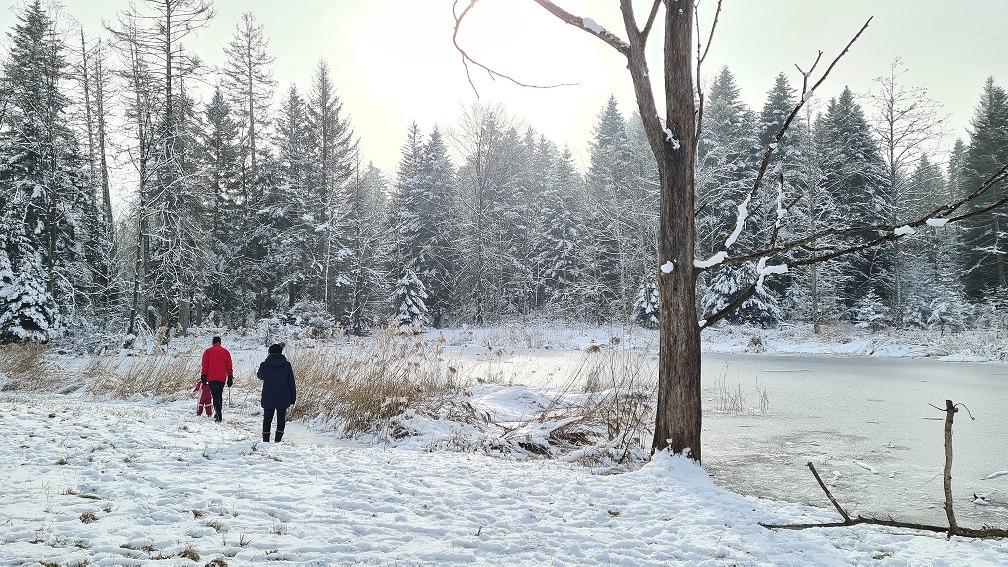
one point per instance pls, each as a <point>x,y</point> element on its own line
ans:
<point>205,403</point>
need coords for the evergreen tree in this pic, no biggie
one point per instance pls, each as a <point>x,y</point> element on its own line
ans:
<point>333,149</point>
<point>783,183</point>
<point>221,158</point>
<point>608,233</point>
<point>366,221</point>
<point>409,301</point>
<point>281,224</point>
<point>407,234</point>
<point>985,237</point>
<point>46,206</point>
<point>726,161</point>
<point>438,213</point>
<point>923,255</point>
<point>558,249</point>
<point>646,310</point>
<point>855,176</point>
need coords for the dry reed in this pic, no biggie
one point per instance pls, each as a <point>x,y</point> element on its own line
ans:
<point>368,384</point>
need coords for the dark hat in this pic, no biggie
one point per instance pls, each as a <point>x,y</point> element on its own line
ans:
<point>276,348</point>
<point>216,340</point>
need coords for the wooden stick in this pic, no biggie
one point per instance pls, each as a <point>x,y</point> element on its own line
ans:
<point>847,519</point>
<point>950,411</point>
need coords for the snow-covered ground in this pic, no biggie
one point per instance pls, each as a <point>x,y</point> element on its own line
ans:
<point>121,483</point>
<point>131,482</point>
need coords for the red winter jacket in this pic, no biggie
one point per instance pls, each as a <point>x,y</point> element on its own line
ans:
<point>216,363</point>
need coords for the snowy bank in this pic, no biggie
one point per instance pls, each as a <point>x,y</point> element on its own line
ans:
<point>131,482</point>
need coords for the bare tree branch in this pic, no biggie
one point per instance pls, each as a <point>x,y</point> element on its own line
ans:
<point>583,23</point>
<point>772,147</point>
<point>651,19</point>
<point>699,62</point>
<point>589,25</point>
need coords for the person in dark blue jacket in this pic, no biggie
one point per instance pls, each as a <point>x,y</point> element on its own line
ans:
<point>278,392</point>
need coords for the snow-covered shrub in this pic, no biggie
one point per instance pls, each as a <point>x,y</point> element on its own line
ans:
<point>27,311</point>
<point>312,315</point>
<point>409,301</point>
<point>870,312</point>
<point>646,311</point>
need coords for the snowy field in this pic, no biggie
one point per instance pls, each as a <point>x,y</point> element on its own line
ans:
<point>135,482</point>
<point>116,483</point>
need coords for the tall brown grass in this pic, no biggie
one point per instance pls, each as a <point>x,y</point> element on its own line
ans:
<point>159,376</point>
<point>27,367</point>
<point>368,383</point>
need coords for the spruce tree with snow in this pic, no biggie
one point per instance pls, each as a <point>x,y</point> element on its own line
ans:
<point>28,312</point>
<point>438,263</point>
<point>281,216</point>
<point>783,183</point>
<point>558,248</point>
<point>726,170</point>
<point>985,237</point>
<point>725,162</point>
<point>409,300</point>
<point>855,177</point>
<point>815,292</point>
<point>368,232</point>
<point>226,273</point>
<point>926,257</point>
<point>46,207</point>
<point>871,312</point>
<point>646,310</point>
<point>608,182</point>
<point>333,149</point>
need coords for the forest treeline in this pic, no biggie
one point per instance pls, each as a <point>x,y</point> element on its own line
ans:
<point>256,205</point>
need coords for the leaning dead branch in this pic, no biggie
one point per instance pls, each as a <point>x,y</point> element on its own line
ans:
<point>952,529</point>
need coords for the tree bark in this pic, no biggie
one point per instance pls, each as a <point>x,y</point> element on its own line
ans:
<point>679,416</point>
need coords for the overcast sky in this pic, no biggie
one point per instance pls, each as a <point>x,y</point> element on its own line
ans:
<point>393,60</point>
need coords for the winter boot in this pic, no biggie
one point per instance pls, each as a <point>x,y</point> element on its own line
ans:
<point>279,435</point>
<point>265,436</point>
<point>218,418</point>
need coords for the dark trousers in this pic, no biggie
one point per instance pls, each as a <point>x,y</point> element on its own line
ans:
<point>281,416</point>
<point>217,391</point>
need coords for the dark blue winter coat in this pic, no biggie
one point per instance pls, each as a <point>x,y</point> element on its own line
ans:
<point>277,375</point>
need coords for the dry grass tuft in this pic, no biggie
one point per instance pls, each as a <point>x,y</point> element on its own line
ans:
<point>27,368</point>
<point>156,376</point>
<point>733,401</point>
<point>368,384</point>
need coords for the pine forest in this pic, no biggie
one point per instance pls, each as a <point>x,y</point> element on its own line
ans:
<point>143,192</point>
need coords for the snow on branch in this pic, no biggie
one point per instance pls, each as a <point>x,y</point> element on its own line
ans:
<point>711,262</point>
<point>875,235</point>
<point>587,24</point>
<point>772,147</point>
<point>763,270</point>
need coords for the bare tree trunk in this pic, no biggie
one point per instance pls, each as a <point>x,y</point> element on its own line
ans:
<point>102,156</point>
<point>87,110</point>
<point>677,425</point>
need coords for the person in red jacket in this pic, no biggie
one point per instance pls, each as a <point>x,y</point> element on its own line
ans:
<point>216,369</point>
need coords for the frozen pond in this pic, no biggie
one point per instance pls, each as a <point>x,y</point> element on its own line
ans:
<point>867,425</point>
<point>865,422</point>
